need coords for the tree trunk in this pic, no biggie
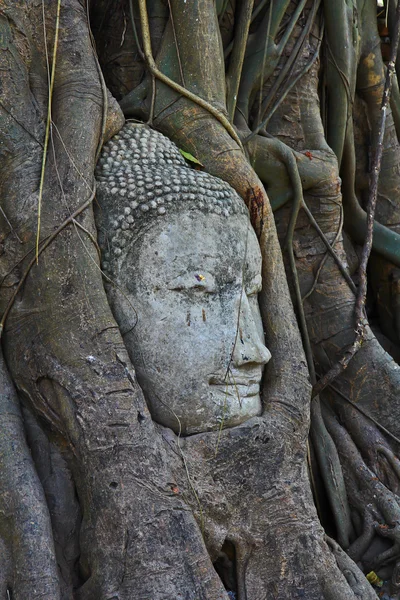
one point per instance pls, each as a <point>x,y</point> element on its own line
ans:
<point>97,500</point>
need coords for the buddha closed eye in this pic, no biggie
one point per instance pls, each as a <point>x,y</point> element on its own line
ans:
<point>196,339</point>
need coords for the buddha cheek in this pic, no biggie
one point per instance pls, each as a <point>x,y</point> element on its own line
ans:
<point>198,342</point>
<point>213,338</point>
<point>175,345</point>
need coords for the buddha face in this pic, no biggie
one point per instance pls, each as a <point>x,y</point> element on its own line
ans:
<point>196,340</point>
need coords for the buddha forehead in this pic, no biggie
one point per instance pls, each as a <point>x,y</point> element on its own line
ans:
<point>142,178</point>
<point>193,249</point>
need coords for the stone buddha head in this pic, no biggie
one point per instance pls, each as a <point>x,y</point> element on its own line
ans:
<point>185,269</point>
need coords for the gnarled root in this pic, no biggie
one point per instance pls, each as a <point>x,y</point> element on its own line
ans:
<point>375,507</point>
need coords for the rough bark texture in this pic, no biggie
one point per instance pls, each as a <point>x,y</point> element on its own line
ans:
<point>64,350</point>
<point>98,502</point>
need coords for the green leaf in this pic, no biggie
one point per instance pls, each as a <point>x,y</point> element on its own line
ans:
<point>190,157</point>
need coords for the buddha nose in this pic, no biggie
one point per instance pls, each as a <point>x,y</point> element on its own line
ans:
<point>249,344</point>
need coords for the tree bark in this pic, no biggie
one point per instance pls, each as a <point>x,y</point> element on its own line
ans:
<point>96,500</point>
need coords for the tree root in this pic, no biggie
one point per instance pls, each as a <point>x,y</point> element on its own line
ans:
<point>354,577</point>
<point>376,505</point>
<point>217,114</point>
<point>332,474</point>
<point>24,518</point>
<point>39,251</point>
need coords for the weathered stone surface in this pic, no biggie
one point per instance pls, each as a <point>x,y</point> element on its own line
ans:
<point>142,174</point>
<point>185,270</point>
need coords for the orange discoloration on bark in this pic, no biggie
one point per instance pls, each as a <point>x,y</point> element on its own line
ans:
<point>373,73</point>
<point>255,201</point>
